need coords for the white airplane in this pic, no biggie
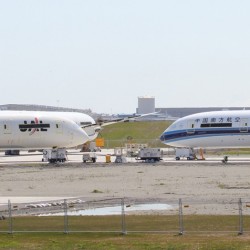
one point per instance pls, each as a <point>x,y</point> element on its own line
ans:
<point>41,130</point>
<point>86,122</point>
<point>46,130</point>
<point>218,129</point>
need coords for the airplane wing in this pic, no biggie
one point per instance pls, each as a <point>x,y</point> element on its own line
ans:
<point>126,119</point>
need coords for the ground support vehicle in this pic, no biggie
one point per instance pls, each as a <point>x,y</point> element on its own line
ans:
<point>120,155</point>
<point>89,157</point>
<point>55,155</point>
<point>187,153</point>
<point>150,154</point>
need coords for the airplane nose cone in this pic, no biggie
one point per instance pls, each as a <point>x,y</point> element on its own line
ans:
<point>162,137</point>
<point>76,135</point>
<point>81,136</point>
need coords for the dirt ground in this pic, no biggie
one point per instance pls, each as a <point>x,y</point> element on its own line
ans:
<point>208,187</point>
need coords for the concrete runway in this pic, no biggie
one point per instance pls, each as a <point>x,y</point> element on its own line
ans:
<point>75,156</point>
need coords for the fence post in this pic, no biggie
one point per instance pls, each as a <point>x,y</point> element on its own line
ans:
<point>10,217</point>
<point>181,230</point>
<point>240,217</point>
<point>65,207</point>
<point>123,217</point>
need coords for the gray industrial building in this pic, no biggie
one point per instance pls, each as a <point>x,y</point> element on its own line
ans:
<point>146,104</point>
<point>181,112</point>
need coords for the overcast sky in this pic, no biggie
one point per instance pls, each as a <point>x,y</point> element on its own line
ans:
<point>103,54</point>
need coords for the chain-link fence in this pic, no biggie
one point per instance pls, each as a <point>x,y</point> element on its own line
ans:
<point>125,216</point>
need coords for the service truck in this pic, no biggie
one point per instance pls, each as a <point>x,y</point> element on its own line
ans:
<point>89,157</point>
<point>150,154</point>
<point>54,155</point>
<point>187,153</point>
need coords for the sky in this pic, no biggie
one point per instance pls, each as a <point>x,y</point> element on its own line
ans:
<point>103,54</point>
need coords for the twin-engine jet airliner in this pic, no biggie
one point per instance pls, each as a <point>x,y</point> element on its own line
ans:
<point>46,130</point>
<point>42,130</point>
<point>218,129</point>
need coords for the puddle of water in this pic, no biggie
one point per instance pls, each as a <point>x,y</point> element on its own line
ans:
<point>116,210</point>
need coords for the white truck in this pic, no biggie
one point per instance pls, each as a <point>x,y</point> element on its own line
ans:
<point>89,157</point>
<point>187,153</point>
<point>150,154</point>
<point>54,155</point>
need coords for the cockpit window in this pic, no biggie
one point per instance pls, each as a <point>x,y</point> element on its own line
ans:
<point>85,123</point>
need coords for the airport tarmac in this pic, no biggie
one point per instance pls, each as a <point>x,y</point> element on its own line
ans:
<point>206,186</point>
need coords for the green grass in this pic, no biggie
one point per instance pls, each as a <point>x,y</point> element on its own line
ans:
<point>114,241</point>
<point>222,233</point>
<point>116,135</point>
<point>192,223</point>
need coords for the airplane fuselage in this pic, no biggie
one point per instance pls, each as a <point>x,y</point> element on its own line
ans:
<point>38,130</point>
<point>219,129</point>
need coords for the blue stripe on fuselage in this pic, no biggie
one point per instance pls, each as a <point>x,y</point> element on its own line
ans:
<point>178,135</point>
